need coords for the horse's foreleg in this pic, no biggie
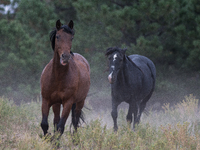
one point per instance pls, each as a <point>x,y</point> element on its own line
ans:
<point>56,111</point>
<point>114,115</point>
<point>142,107</point>
<point>45,112</point>
<point>65,113</point>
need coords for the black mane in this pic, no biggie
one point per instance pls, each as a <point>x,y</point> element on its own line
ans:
<point>110,50</point>
<point>52,35</point>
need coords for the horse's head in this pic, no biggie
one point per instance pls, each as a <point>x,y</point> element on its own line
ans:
<point>115,56</point>
<point>61,41</point>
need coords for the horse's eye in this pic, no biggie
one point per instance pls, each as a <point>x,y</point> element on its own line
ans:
<point>72,38</point>
<point>57,37</point>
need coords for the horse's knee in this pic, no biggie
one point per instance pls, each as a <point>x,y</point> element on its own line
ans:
<point>114,114</point>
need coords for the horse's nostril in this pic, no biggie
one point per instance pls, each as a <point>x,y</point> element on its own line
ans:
<point>64,56</point>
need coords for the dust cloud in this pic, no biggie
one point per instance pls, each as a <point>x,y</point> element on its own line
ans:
<point>168,90</point>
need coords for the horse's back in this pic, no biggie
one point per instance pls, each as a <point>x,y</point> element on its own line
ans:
<point>144,64</point>
<point>81,61</point>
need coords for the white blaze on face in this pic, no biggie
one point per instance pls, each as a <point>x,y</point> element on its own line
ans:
<point>112,67</point>
<point>114,57</point>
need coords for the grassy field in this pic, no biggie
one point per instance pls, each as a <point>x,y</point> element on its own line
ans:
<point>172,128</point>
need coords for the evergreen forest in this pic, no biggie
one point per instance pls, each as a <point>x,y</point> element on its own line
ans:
<point>166,31</point>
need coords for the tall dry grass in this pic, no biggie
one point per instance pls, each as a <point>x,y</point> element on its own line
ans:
<point>174,128</point>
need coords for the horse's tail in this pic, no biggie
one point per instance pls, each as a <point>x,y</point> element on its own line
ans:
<point>152,68</point>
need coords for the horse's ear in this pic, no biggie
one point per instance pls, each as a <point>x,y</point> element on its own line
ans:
<point>71,24</point>
<point>71,53</point>
<point>124,51</point>
<point>58,24</point>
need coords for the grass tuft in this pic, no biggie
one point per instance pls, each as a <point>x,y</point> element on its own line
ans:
<point>176,127</point>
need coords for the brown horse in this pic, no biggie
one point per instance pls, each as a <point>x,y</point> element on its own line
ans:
<point>65,80</point>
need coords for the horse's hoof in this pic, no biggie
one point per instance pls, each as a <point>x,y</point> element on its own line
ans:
<point>133,129</point>
<point>48,136</point>
<point>115,129</point>
<point>55,141</point>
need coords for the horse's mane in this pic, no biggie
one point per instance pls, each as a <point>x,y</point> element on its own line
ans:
<point>52,35</point>
<point>110,50</point>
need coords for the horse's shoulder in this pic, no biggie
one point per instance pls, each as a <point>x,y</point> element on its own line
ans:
<point>143,63</point>
<point>79,57</point>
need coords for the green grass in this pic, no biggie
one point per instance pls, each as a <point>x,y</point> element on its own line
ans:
<point>173,128</point>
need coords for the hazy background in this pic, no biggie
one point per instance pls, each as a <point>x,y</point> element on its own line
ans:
<point>167,32</point>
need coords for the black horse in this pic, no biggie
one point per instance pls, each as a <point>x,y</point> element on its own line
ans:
<point>132,80</point>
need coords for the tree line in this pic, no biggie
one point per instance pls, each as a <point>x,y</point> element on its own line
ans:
<point>167,32</point>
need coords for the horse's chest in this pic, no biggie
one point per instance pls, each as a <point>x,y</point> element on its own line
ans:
<point>61,95</point>
<point>59,91</point>
<point>122,93</point>
<point>125,92</point>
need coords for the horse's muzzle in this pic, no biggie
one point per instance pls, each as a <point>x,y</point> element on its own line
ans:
<point>64,59</point>
<point>110,78</point>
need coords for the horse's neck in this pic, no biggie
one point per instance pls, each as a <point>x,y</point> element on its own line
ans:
<point>128,68</point>
<point>132,65</point>
<point>59,71</point>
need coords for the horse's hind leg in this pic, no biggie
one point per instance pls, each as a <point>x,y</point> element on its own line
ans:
<point>140,108</point>
<point>136,110</point>
<point>73,114</point>
<point>45,112</point>
<point>129,116</point>
<point>143,105</point>
<point>56,111</point>
<point>77,113</point>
